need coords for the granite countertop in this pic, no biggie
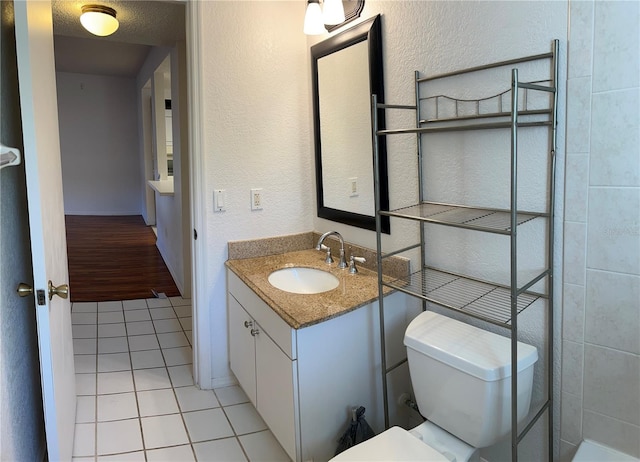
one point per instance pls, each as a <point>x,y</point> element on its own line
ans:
<point>303,310</point>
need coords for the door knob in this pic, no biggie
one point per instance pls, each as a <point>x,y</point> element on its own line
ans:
<point>61,291</point>
<point>24,289</point>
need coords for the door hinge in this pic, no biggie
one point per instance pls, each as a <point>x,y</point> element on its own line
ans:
<point>195,235</point>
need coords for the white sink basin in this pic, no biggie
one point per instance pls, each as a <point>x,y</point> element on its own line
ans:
<point>298,280</point>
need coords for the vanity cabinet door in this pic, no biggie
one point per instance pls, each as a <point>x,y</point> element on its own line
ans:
<point>277,392</point>
<point>242,353</point>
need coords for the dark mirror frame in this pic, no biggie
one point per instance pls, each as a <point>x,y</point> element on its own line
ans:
<point>371,31</point>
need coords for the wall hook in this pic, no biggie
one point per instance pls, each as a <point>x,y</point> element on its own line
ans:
<point>9,156</point>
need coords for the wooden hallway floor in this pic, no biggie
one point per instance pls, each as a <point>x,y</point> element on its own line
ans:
<point>114,258</point>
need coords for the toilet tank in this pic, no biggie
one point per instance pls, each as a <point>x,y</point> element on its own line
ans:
<point>461,377</point>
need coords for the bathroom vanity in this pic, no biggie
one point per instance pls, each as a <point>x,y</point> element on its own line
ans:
<point>305,360</point>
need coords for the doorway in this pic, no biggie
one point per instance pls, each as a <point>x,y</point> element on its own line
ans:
<point>59,8</point>
<point>120,174</point>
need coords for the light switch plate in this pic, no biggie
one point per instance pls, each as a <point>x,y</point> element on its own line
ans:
<point>219,200</point>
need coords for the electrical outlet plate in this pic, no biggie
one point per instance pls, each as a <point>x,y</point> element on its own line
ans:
<point>256,199</point>
<point>353,187</point>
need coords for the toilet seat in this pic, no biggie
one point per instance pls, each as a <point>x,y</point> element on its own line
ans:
<point>392,444</point>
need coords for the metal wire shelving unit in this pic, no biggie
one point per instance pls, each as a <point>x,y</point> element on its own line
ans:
<point>485,300</point>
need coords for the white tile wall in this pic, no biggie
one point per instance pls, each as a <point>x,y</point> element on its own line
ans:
<point>615,46</point>
<point>572,367</point>
<point>611,383</point>
<point>601,293</point>
<point>576,187</point>
<point>615,159</point>
<point>574,253</point>
<point>613,243</point>
<point>571,421</point>
<point>612,316</point>
<point>610,432</point>
<point>581,41</point>
<point>578,115</point>
<point>573,313</point>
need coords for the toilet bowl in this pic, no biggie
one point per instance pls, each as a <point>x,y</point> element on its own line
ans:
<point>392,444</point>
<point>461,377</point>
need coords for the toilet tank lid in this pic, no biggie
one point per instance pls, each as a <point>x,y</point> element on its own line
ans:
<point>469,349</point>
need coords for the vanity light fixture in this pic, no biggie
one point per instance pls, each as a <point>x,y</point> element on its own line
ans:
<point>315,18</point>
<point>313,24</point>
<point>333,12</point>
<point>100,20</point>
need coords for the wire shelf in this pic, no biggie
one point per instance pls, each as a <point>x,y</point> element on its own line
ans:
<point>479,299</point>
<point>455,128</point>
<point>490,220</point>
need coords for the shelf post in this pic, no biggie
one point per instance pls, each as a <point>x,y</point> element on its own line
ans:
<point>550,259</point>
<point>376,188</point>
<point>514,265</point>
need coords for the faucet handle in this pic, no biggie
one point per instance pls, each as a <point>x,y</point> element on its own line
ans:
<point>328,258</point>
<point>352,264</point>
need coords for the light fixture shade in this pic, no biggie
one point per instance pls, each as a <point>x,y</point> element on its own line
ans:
<point>99,20</point>
<point>313,20</point>
<point>333,12</point>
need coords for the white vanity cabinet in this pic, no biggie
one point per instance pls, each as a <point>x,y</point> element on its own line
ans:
<point>304,382</point>
<point>265,369</point>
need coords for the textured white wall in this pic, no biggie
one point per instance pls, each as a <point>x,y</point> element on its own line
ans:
<point>601,347</point>
<point>256,121</point>
<point>99,144</point>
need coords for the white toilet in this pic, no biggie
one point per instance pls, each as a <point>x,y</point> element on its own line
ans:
<point>461,377</point>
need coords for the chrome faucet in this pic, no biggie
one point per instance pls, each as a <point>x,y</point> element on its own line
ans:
<point>342,263</point>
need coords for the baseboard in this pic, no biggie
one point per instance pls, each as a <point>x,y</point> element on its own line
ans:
<point>224,382</point>
<point>115,213</point>
<point>178,281</point>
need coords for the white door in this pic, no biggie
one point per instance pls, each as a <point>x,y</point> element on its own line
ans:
<point>38,101</point>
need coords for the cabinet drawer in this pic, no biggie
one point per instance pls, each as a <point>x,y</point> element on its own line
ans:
<point>281,333</point>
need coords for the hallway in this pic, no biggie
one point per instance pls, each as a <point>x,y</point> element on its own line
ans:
<point>135,395</point>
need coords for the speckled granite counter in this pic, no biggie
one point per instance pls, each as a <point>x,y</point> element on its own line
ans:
<point>303,310</point>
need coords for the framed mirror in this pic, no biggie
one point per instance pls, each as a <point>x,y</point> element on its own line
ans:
<point>346,70</point>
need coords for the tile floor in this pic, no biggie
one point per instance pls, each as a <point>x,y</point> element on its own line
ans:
<point>135,395</point>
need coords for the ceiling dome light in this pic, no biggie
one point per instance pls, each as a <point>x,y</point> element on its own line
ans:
<point>99,20</point>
